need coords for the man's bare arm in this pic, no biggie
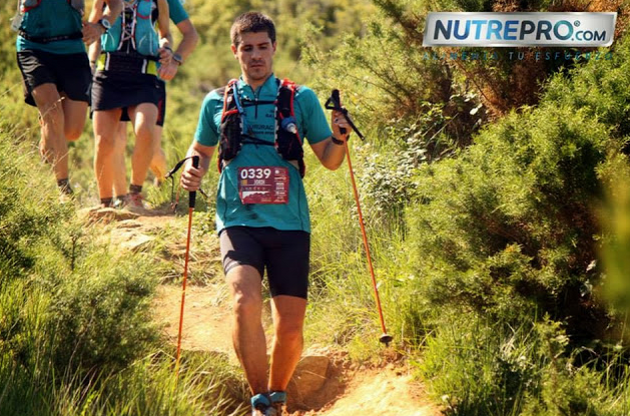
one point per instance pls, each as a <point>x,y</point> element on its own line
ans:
<point>191,177</point>
<point>330,154</point>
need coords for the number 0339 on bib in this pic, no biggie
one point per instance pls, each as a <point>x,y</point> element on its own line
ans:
<point>263,185</point>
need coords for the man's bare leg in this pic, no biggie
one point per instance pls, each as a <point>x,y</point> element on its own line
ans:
<point>105,128</point>
<point>120,166</point>
<point>158,162</point>
<point>288,318</point>
<point>248,335</point>
<point>144,117</point>
<point>53,146</point>
<point>74,113</point>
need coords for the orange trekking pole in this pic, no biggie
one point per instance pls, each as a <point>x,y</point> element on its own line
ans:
<point>334,103</point>
<point>191,207</point>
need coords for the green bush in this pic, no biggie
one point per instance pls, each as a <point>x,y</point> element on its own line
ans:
<point>68,306</point>
<point>31,217</point>
<point>479,367</point>
<point>102,316</point>
<point>207,384</point>
<point>615,248</point>
<point>509,224</point>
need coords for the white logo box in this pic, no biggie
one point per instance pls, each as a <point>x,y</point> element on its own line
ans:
<point>567,29</point>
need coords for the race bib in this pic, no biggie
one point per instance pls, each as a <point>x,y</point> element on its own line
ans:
<point>263,185</point>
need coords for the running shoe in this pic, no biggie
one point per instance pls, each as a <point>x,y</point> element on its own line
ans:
<point>66,194</point>
<point>120,202</point>
<point>135,203</point>
<point>66,189</point>
<point>261,406</point>
<point>279,402</point>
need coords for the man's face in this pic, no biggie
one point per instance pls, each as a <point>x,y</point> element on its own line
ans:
<point>255,54</point>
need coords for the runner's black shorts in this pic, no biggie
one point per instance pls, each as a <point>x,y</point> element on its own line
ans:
<point>69,72</point>
<point>113,89</point>
<point>161,106</point>
<point>284,254</point>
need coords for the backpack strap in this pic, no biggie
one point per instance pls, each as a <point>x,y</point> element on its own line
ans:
<point>229,106</point>
<point>230,140</point>
<point>288,141</point>
<point>78,5</point>
<point>28,5</point>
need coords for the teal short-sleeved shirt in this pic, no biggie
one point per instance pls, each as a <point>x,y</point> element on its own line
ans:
<point>312,125</point>
<point>176,11</point>
<point>51,18</point>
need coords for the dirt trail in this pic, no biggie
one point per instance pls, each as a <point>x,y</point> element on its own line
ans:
<point>364,392</point>
<point>349,389</point>
<point>206,320</point>
<point>375,392</point>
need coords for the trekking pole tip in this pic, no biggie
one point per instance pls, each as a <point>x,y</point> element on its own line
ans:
<point>386,339</point>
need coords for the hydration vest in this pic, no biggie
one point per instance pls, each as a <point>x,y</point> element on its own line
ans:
<point>143,36</point>
<point>235,131</point>
<point>26,5</point>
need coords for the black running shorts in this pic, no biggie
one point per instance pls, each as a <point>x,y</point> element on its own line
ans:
<point>285,255</point>
<point>111,89</point>
<point>124,116</point>
<point>69,72</point>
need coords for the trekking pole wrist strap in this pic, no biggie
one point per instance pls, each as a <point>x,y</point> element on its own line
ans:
<point>336,141</point>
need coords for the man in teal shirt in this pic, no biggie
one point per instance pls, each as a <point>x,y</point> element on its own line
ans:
<point>262,212</point>
<point>54,65</point>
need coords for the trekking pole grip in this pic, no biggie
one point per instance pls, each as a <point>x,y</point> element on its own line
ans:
<point>192,196</point>
<point>337,102</point>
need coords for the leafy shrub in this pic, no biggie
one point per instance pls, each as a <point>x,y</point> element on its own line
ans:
<point>207,384</point>
<point>30,216</point>
<point>478,367</point>
<point>101,317</point>
<point>615,248</point>
<point>68,306</point>
<point>406,90</point>
<point>509,224</point>
<point>511,221</point>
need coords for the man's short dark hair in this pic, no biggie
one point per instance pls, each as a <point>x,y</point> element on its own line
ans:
<point>252,22</point>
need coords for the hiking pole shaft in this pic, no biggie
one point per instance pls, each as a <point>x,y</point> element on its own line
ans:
<point>191,207</point>
<point>384,337</point>
<point>334,103</point>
